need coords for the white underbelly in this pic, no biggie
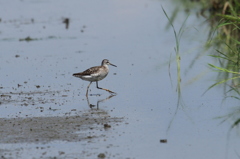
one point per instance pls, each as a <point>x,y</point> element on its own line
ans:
<point>93,78</point>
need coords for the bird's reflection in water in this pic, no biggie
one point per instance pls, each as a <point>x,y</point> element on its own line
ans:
<point>99,101</point>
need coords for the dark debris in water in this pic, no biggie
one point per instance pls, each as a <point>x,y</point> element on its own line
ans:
<point>83,28</point>
<point>66,21</point>
<point>101,155</point>
<point>107,126</point>
<point>37,86</point>
<point>163,140</point>
<point>25,98</point>
<point>28,39</point>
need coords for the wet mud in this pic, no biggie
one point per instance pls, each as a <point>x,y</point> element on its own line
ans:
<point>76,125</point>
<point>47,129</point>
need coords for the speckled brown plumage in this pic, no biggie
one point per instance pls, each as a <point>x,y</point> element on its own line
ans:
<point>88,71</point>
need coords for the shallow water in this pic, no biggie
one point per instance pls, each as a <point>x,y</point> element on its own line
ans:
<point>44,111</point>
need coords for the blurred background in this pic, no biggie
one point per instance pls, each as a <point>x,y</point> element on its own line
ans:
<point>177,79</point>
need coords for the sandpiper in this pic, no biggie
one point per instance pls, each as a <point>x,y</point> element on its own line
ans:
<point>95,74</point>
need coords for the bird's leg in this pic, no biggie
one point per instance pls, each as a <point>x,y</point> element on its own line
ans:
<point>104,88</point>
<point>88,88</point>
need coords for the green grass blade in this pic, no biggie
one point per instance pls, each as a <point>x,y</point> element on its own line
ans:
<point>223,69</point>
<point>236,123</point>
<point>223,81</point>
<point>175,34</point>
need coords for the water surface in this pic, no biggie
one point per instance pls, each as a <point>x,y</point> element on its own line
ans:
<point>44,111</point>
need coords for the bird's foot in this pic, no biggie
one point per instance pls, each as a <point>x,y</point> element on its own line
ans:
<point>111,92</point>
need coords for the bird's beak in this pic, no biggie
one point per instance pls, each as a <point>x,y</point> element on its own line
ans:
<point>112,64</point>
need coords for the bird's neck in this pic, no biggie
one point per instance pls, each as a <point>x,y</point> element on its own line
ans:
<point>106,66</point>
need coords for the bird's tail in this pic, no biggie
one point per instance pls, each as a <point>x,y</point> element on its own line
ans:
<point>77,75</point>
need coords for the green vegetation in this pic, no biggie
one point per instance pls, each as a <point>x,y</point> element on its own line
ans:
<point>226,42</point>
<point>224,39</point>
<point>177,36</point>
<point>224,36</point>
<point>178,58</point>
